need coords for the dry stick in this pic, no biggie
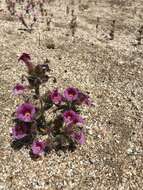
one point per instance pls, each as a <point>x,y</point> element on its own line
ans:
<point>67,10</point>
<point>45,12</point>
<point>32,4</point>
<point>72,12</point>
<point>139,37</point>
<point>135,11</point>
<point>21,18</point>
<point>41,5</point>
<point>39,39</point>
<point>48,22</point>
<point>13,7</point>
<point>97,23</point>
<point>72,2</point>
<point>28,7</point>
<point>73,25</point>
<point>112,32</point>
<point>34,21</point>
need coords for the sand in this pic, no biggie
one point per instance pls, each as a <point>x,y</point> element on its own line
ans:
<point>111,70</point>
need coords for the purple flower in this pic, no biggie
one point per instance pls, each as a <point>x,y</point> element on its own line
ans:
<point>18,89</point>
<point>72,118</point>
<point>26,112</point>
<point>79,137</point>
<point>83,99</point>
<point>56,97</point>
<point>69,117</point>
<point>71,94</point>
<point>27,60</point>
<point>19,131</point>
<point>38,147</point>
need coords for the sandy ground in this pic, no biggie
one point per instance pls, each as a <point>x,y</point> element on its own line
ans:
<point>110,70</point>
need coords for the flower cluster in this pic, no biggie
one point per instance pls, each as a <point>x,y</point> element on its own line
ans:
<point>65,129</point>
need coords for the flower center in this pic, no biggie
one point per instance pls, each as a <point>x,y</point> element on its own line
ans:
<point>78,136</point>
<point>27,114</point>
<point>69,116</point>
<point>71,94</point>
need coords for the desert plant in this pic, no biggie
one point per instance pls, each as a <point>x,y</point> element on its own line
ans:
<point>32,125</point>
<point>26,8</point>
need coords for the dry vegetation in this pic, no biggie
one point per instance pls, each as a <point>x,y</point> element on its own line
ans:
<point>98,47</point>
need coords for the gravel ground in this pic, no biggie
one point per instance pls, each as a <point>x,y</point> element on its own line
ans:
<point>110,70</point>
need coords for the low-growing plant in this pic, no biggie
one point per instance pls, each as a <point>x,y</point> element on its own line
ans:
<point>49,120</point>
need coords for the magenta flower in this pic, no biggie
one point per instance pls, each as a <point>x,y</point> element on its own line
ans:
<point>72,118</point>
<point>19,132</point>
<point>25,57</point>
<point>38,147</point>
<point>78,120</point>
<point>83,99</point>
<point>79,137</point>
<point>18,89</point>
<point>27,60</point>
<point>71,94</point>
<point>56,97</point>
<point>26,112</point>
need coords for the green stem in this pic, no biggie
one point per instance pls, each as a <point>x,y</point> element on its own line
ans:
<point>37,92</point>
